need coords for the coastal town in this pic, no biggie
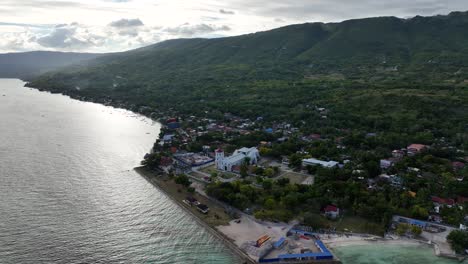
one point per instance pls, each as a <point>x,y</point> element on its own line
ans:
<point>280,194</point>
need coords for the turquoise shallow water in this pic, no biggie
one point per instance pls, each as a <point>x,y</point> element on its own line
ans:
<point>389,254</point>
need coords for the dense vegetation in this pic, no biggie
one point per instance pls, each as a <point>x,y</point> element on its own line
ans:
<point>458,240</point>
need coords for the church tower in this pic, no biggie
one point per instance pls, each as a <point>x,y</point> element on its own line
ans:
<point>219,157</point>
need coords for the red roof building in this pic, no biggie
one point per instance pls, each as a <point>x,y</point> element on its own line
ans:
<point>442,201</point>
<point>332,211</point>
<point>457,165</point>
<point>331,208</point>
<point>165,162</point>
<point>415,148</point>
<point>461,200</point>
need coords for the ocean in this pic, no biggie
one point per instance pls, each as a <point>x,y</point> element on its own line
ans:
<point>68,193</point>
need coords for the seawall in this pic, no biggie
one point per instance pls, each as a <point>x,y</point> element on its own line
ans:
<point>152,178</point>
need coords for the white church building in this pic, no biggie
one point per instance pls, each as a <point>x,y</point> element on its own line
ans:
<point>226,163</point>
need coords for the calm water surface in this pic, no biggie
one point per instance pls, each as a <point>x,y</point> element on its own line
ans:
<point>68,193</point>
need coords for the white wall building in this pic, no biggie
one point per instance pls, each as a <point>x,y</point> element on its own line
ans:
<point>226,163</point>
<point>313,162</point>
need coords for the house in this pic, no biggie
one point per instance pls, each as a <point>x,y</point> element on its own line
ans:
<point>394,180</point>
<point>461,200</point>
<point>457,165</point>
<point>314,162</point>
<point>441,202</point>
<point>398,153</point>
<point>414,149</point>
<point>203,208</point>
<point>173,150</point>
<point>332,211</point>
<point>173,125</point>
<point>313,137</point>
<point>168,138</point>
<point>237,158</point>
<point>166,163</point>
<point>386,163</point>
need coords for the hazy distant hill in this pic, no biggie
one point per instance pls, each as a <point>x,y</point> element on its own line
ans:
<point>28,64</point>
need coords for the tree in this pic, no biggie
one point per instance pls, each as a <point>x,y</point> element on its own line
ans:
<point>269,172</point>
<point>402,229</point>
<point>419,212</point>
<point>270,203</point>
<point>295,161</point>
<point>267,184</point>
<point>314,220</point>
<point>183,179</point>
<point>458,240</point>
<point>244,167</point>
<point>152,160</point>
<point>416,230</point>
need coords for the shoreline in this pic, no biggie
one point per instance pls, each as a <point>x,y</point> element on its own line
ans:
<point>152,178</point>
<point>213,229</point>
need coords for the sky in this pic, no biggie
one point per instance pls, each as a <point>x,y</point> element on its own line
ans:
<point>118,25</point>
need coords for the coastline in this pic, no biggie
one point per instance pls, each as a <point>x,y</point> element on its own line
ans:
<point>152,178</point>
<point>213,229</point>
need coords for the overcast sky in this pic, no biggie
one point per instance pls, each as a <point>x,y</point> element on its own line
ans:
<point>117,25</point>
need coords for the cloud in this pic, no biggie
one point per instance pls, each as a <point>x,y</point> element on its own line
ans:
<point>125,23</point>
<point>188,30</point>
<point>70,37</point>
<point>226,12</point>
<point>339,10</point>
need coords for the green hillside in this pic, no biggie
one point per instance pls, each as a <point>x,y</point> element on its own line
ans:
<point>386,73</point>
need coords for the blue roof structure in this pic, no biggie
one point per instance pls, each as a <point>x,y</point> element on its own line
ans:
<point>324,254</point>
<point>412,221</point>
<point>305,255</point>
<point>280,242</point>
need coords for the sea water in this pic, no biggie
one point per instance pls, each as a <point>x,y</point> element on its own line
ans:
<point>389,254</point>
<point>68,193</point>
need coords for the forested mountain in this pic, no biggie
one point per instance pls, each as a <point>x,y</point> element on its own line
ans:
<point>29,64</point>
<point>377,74</point>
<point>384,49</point>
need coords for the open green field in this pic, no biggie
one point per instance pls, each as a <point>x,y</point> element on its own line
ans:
<point>356,224</point>
<point>295,177</point>
<point>210,169</point>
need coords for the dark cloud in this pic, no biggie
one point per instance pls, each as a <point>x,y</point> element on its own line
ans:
<point>198,29</point>
<point>226,12</point>
<point>126,23</point>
